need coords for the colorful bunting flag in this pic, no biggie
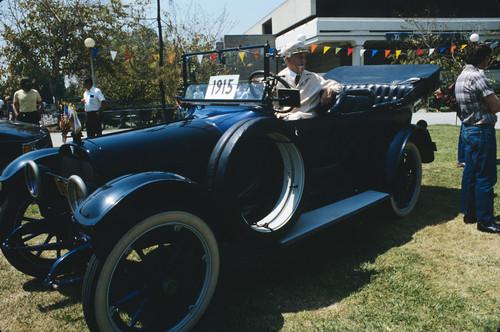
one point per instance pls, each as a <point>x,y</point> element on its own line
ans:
<point>398,52</point>
<point>431,50</point>
<point>113,55</point>
<point>128,55</point>
<point>213,56</point>
<point>419,51</point>
<point>452,49</point>
<point>313,47</point>
<point>171,58</point>
<point>242,56</point>
<point>387,52</point>
<point>374,52</point>
<point>94,52</point>
<point>256,54</point>
<point>200,58</point>
<point>326,49</point>
<point>349,51</point>
<point>337,50</point>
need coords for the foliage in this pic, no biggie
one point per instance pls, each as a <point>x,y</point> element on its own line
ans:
<point>46,37</point>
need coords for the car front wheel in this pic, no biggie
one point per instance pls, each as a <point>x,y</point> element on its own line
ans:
<point>160,275</point>
<point>407,182</point>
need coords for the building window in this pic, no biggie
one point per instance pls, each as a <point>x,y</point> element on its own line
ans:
<point>267,27</point>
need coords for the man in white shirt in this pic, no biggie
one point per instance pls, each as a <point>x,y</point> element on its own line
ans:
<point>95,103</point>
<point>314,89</point>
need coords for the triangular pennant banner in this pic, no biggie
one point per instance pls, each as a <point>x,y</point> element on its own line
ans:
<point>128,55</point>
<point>171,58</point>
<point>398,52</point>
<point>326,49</point>
<point>94,52</point>
<point>431,50</point>
<point>313,47</point>
<point>113,55</point>
<point>409,51</point>
<point>242,56</point>
<point>213,56</point>
<point>349,51</point>
<point>452,49</point>
<point>256,55</point>
<point>387,52</point>
<point>442,49</point>
<point>493,45</point>
<point>419,51</point>
<point>337,50</point>
<point>362,52</point>
<point>157,57</point>
<point>463,46</point>
<point>374,52</point>
<point>200,57</point>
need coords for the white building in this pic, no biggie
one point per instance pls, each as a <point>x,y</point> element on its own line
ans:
<point>351,31</point>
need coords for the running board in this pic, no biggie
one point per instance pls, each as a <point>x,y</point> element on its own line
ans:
<point>315,220</point>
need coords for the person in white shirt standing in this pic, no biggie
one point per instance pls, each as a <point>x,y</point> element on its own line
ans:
<point>314,89</point>
<point>95,103</point>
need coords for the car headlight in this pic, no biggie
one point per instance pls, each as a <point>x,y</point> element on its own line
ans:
<point>77,192</point>
<point>33,178</point>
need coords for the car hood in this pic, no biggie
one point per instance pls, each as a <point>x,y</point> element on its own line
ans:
<point>13,131</point>
<point>181,147</point>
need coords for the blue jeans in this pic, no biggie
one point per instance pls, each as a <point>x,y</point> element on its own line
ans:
<point>480,172</point>
<point>461,147</point>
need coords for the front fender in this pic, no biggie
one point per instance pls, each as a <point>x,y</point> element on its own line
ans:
<point>13,174</point>
<point>418,135</point>
<point>131,193</point>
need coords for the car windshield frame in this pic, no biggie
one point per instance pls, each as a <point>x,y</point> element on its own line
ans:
<point>219,67</point>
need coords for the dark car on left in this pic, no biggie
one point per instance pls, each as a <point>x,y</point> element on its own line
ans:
<point>17,138</point>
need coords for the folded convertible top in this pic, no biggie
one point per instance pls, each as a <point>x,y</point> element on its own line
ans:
<point>385,74</point>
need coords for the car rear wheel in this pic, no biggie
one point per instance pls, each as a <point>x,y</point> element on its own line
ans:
<point>160,275</point>
<point>407,181</point>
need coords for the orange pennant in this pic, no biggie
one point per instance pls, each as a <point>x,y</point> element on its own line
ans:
<point>313,47</point>
<point>256,55</point>
<point>387,52</point>
<point>171,58</point>
<point>452,49</point>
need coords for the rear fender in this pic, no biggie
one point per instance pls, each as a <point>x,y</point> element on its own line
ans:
<point>132,197</point>
<point>416,134</point>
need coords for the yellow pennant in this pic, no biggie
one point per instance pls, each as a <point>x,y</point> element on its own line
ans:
<point>326,49</point>
<point>398,52</point>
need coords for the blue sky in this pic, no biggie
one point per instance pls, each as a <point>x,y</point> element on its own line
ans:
<point>243,13</point>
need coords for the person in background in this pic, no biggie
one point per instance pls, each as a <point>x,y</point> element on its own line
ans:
<point>95,103</point>
<point>198,94</point>
<point>314,89</point>
<point>25,103</point>
<point>10,108</point>
<point>478,105</point>
<point>3,108</point>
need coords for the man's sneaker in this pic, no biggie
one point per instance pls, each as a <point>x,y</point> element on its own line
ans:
<point>488,228</point>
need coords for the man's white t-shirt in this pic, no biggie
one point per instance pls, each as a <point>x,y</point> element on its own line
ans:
<point>93,99</point>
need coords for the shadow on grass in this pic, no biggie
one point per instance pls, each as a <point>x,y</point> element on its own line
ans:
<point>255,291</point>
<point>319,271</point>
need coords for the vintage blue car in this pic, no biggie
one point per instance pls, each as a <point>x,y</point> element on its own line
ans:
<point>139,216</point>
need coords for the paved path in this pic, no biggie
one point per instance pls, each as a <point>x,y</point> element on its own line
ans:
<point>432,118</point>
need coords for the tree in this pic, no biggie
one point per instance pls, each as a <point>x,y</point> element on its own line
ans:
<point>46,37</point>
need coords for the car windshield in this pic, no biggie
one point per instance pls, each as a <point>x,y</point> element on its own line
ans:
<point>225,75</point>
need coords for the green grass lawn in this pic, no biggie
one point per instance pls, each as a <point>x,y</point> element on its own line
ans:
<point>427,272</point>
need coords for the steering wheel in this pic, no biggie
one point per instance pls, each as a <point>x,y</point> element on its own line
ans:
<point>256,79</point>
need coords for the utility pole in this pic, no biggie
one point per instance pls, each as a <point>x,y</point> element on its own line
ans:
<point>162,87</point>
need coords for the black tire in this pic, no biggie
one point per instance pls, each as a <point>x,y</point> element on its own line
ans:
<point>163,271</point>
<point>274,80</point>
<point>258,172</point>
<point>407,182</point>
<point>23,249</point>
